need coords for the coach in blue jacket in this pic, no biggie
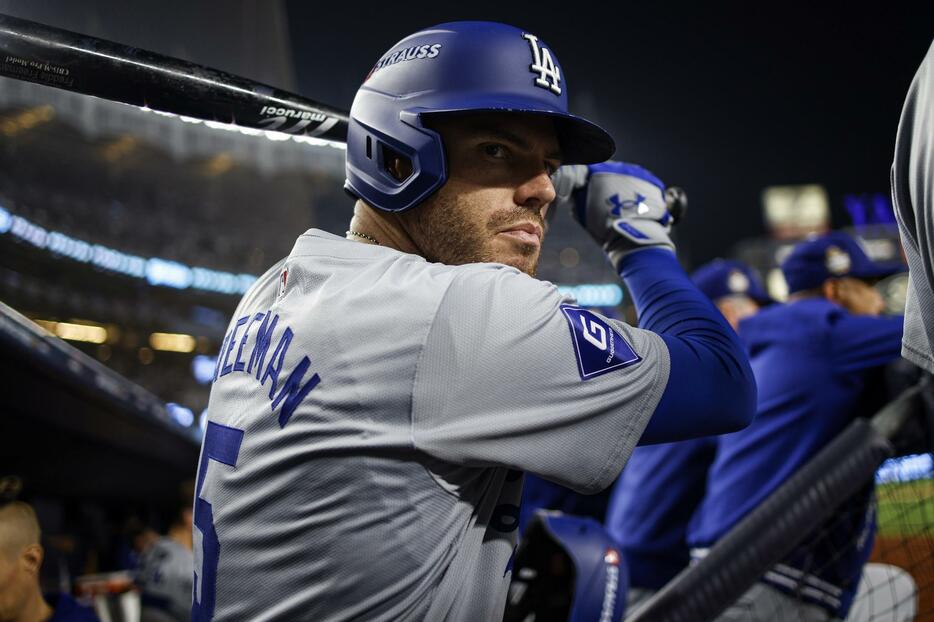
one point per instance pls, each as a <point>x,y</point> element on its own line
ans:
<point>815,361</point>
<point>662,485</point>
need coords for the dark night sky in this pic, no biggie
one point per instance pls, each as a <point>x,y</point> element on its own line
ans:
<point>723,101</point>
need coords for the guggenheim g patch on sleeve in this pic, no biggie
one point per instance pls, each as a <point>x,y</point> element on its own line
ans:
<point>599,348</point>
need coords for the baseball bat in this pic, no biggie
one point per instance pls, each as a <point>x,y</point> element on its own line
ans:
<point>676,200</point>
<point>83,64</point>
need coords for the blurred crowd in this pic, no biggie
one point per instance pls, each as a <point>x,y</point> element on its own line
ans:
<point>90,561</point>
<point>132,197</point>
<point>216,213</point>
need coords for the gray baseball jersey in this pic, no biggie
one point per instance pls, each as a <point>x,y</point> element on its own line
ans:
<point>371,418</point>
<point>913,196</point>
<point>164,578</point>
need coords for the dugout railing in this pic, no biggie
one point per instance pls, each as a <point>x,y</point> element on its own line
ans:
<point>798,509</point>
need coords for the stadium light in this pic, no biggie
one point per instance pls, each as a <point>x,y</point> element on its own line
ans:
<point>202,368</point>
<point>89,333</point>
<point>594,294</point>
<point>6,220</point>
<point>155,270</point>
<point>180,414</point>
<point>172,342</point>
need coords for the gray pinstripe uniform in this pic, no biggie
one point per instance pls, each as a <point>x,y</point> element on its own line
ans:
<point>913,196</point>
<point>164,577</point>
<point>391,491</point>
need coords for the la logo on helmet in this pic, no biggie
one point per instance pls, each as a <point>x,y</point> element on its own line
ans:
<point>549,76</point>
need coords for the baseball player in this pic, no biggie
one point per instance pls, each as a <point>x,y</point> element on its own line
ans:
<point>662,485</point>
<point>165,572</point>
<point>378,397</point>
<point>913,198</point>
<point>814,360</point>
<point>733,287</point>
<point>21,556</point>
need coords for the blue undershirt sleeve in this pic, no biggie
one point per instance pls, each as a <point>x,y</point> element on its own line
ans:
<point>711,388</point>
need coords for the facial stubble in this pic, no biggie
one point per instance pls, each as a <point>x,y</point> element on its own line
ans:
<point>449,231</point>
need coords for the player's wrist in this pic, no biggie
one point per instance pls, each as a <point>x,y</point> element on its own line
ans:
<point>618,250</point>
<point>657,259</point>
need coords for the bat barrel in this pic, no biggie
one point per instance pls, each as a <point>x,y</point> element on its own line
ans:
<point>45,55</point>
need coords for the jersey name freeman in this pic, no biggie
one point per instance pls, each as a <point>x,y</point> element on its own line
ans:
<point>293,391</point>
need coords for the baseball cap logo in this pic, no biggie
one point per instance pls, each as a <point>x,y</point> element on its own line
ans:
<point>549,76</point>
<point>737,282</point>
<point>837,260</point>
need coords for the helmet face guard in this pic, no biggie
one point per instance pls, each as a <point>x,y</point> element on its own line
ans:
<point>453,68</point>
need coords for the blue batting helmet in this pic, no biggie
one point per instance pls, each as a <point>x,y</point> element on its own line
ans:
<point>454,67</point>
<point>591,583</point>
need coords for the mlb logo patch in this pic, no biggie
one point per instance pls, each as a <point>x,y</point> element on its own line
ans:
<point>737,282</point>
<point>283,281</point>
<point>599,348</point>
<point>837,260</point>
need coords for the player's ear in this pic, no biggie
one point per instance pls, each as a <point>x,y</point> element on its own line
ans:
<point>831,290</point>
<point>31,558</point>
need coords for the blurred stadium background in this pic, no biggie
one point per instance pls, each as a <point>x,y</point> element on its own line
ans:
<point>127,237</point>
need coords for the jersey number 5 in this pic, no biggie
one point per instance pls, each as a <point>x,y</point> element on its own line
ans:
<point>222,444</point>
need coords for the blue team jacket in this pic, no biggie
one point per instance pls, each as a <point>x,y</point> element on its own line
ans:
<point>816,366</point>
<point>66,609</point>
<point>651,503</point>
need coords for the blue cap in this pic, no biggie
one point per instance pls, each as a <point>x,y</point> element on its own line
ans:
<point>834,255</point>
<point>725,277</point>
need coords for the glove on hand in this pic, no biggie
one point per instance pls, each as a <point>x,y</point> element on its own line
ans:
<point>621,205</point>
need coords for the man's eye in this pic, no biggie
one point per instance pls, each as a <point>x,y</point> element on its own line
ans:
<point>495,151</point>
<point>551,168</point>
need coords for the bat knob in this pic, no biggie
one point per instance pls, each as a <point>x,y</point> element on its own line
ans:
<point>676,200</point>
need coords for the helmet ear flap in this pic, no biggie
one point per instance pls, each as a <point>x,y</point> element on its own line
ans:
<point>392,163</point>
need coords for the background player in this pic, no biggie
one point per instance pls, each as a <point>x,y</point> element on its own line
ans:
<point>378,398</point>
<point>662,485</point>
<point>165,572</point>
<point>21,555</point>
<point>818,362</point>
<point>733,287</point>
